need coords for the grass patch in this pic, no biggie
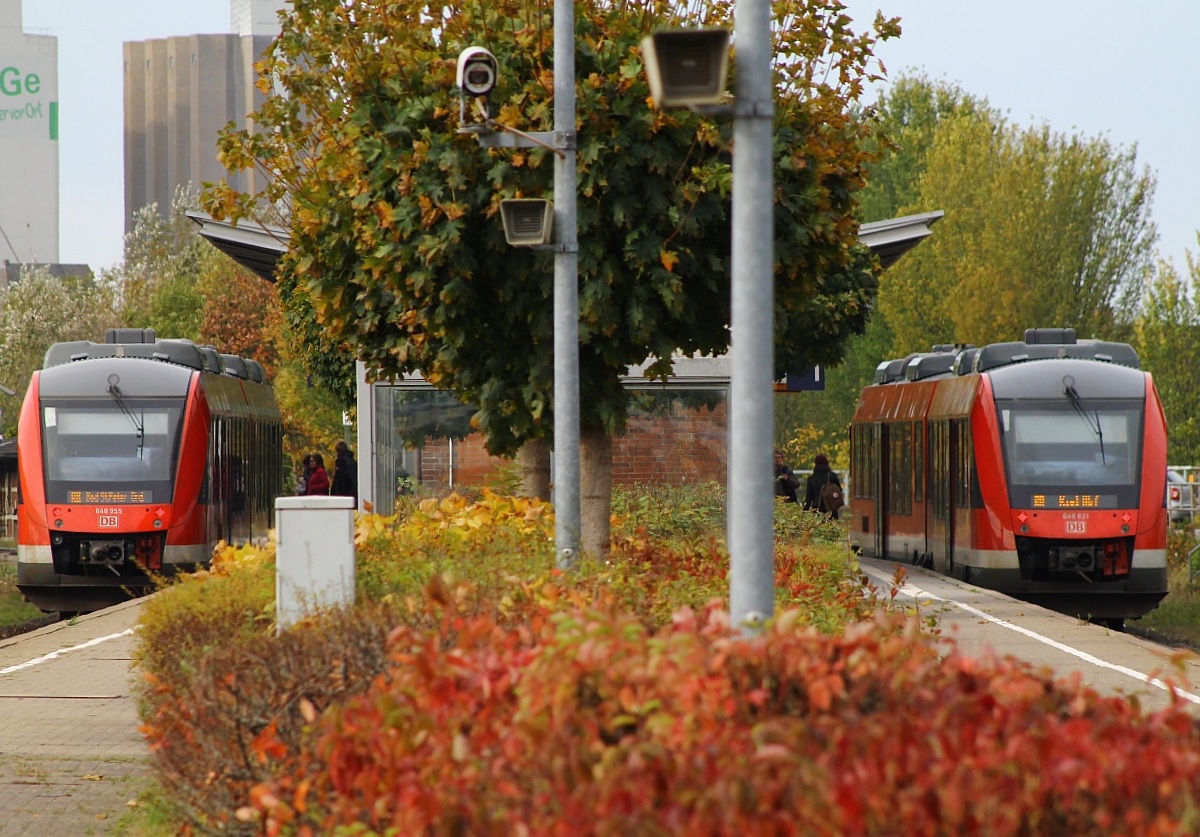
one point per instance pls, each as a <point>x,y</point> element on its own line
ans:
<point>1177,618</point>
<point>14,610</point>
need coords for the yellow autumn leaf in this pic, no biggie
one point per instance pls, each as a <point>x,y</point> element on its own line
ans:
<point>669,259</point>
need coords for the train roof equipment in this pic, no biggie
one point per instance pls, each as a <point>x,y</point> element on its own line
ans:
<point>1039,344</point>
<point>143,343</point>
<point>235,366</point>
<point>930,364</point>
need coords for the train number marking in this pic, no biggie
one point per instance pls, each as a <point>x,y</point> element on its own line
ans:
<point>108,521</point>
<point>1076,527</point>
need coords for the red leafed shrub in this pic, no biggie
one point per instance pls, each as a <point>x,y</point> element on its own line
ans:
<point>596,724</point>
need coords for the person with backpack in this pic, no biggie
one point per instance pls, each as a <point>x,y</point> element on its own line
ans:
<point>823,489</point>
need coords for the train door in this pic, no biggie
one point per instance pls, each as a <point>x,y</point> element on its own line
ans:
<point>880,477</point>
<point>940,508</point>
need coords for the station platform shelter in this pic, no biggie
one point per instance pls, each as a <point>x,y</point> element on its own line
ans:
<point>408,432</point>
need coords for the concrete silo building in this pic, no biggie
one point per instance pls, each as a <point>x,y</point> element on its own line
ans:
<point>179,93</point>
<point>28,141</point>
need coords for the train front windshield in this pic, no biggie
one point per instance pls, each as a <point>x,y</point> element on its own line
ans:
<point>1061,454</point>
<point>110,453</point>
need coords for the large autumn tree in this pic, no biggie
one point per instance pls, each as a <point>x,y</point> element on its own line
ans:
<point>397,251</point>
<point>1041,228</point>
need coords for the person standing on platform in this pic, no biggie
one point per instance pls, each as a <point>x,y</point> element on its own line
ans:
<point>345,473</point>
<point>823,489</point>
<point>317,483</point>
<point>786,482</point>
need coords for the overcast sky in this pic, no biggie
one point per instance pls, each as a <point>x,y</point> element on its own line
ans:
<point>1097,66</point>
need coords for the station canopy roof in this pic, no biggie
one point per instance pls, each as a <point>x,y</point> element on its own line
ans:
<point>258,246</point>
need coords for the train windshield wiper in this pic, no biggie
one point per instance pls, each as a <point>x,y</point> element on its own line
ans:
<point>1093,423</point>
<point>139,424</point>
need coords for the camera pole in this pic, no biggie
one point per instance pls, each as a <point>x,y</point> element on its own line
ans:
<point>491,134</point>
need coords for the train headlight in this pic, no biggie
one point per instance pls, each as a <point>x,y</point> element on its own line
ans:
<point>58,524</point>
<point>158,524</point>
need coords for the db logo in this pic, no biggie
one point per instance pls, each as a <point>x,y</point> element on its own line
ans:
<point>108,521</point>
<point>1076,527</point>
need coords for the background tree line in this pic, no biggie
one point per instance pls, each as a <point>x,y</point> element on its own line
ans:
<point>175,282</point>
<point>1042,229</point>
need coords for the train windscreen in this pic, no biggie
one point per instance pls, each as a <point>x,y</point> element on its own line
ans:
<point>118,452</point>
<point>1070,453</point>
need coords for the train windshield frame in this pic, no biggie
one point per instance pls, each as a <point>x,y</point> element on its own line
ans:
<point>111,452</point>
<point>1064,454</point>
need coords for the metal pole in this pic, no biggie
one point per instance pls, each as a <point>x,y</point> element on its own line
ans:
<point>751,496</point>
<point>566,295</point>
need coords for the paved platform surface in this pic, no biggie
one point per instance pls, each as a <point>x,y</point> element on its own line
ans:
<point>71,756</point>
<point>978,621</point>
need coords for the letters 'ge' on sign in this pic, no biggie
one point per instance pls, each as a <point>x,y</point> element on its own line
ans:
<point>12,83</point>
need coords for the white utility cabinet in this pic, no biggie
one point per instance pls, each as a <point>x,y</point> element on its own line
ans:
<point>314,558</point>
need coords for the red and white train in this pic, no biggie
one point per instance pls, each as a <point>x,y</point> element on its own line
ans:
<point>135,457</point>
<point>1034,468</point>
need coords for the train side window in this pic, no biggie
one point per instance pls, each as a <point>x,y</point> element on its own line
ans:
<point>918,434</point>
<point>940,463</point>
<point>868,463</point>
<point>864,461</point>
<point>962,471</point>
<point>899,468</point>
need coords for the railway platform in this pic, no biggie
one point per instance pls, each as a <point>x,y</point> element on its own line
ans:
<point>977,621</point>
<point>71,756</point>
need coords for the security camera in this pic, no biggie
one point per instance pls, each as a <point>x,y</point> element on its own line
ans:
<point>477,71</point>
<point>477,74</point>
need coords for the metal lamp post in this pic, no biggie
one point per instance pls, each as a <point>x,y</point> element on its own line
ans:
<point>686,68</point>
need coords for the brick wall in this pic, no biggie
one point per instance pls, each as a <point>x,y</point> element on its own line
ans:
<point>686,446</point>
<point>466,462</point>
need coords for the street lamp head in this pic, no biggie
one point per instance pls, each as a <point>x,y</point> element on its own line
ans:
<point>686,67</point>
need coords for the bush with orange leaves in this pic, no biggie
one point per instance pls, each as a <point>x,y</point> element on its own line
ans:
<point>477,690</point>
<point>592,724</point>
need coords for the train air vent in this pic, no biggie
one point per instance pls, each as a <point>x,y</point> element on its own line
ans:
<point>1050,336</point>
<point>929,365</point>
<point>129,335</point>
<point>235,366</point>
<point>964,362</point>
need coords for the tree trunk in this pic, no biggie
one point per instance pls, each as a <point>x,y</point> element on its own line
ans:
<point>595,485</point>
<point>534,461</point>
